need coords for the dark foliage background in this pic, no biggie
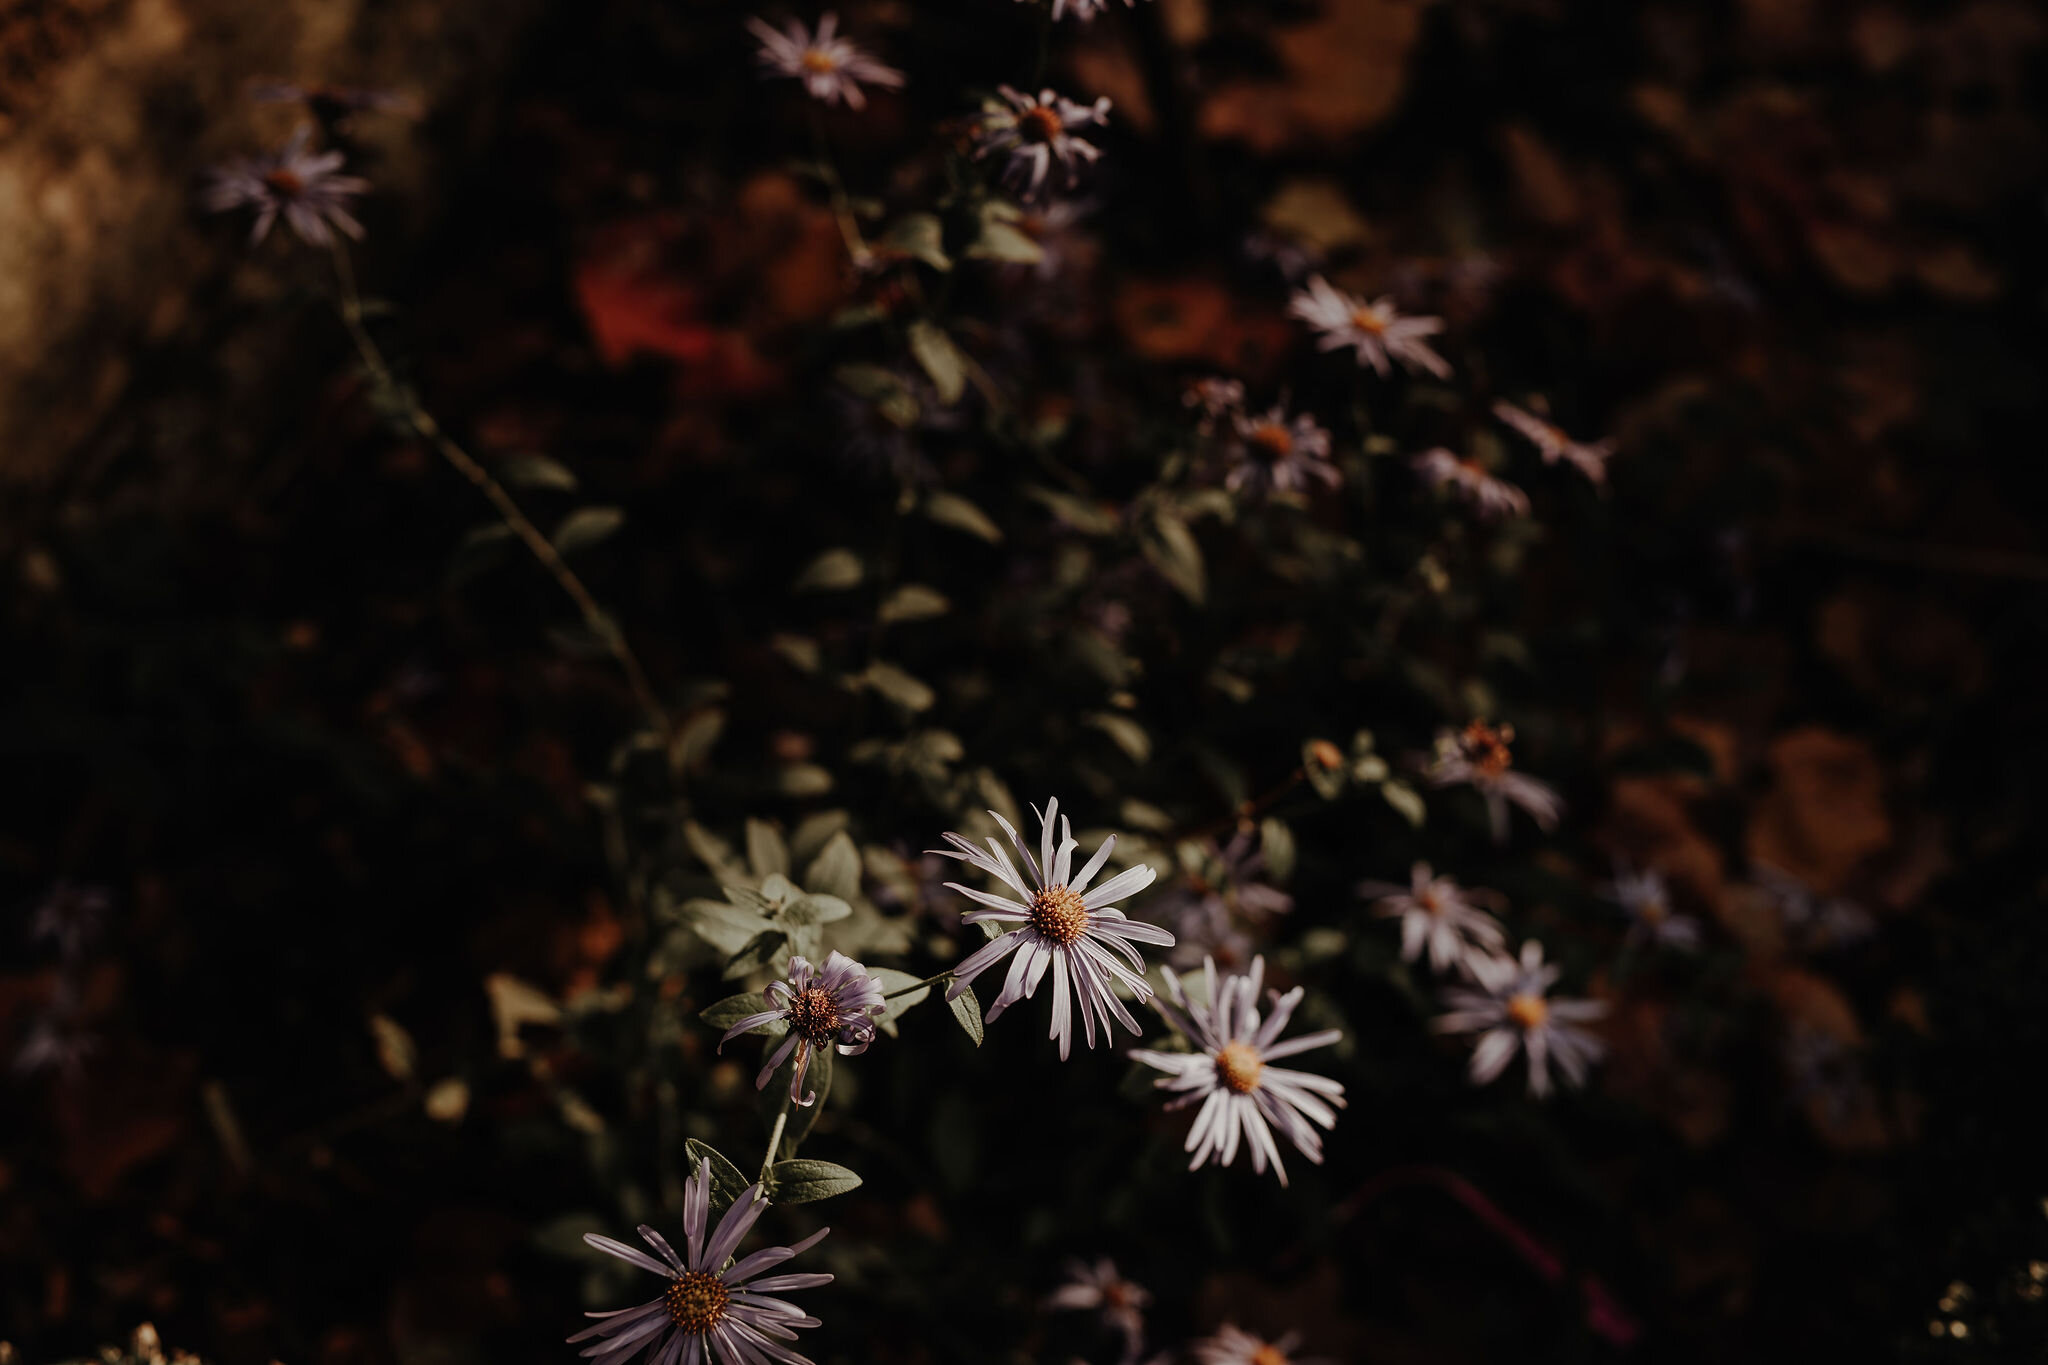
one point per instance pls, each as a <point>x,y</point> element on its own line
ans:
<point>331,764</point>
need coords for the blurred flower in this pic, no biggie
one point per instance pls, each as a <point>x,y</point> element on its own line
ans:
<point>72,917</point>
<point>1272,452</point>
<point>1550,440</point>
<point>1833,922</point>
<point>1479,755</point>
<point>1437,912</point>
<point>1216,398</point>
<point>1234,1346</point>
<point>1061,924</point>
<point>1083,10</point>
<point>836,1005</point>
<point>1099,1288</point>
<point>1292,259</point>
<point>830,67</point>
<point>1217,888</point>
<point>56,1043</point>
<point>302,185</point>
<point>1647,899</point>
<point>1494,498</point>
<point>1055,227</point>
<point>1035,133</point>
<point>1511,1013</point>
<point>710,1313</point>
<point>1377,330</point>
<point>1243,1096</point>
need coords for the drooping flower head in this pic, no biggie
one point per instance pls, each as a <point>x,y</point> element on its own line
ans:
<point>1036,134</point>
<point>1480,755</point>
<point>1551,440</point>
<point>1276,452</point>
<point>1244,1097</point>
<point>1233,1345</point>
<point>712,1313</point>
<point>1492,498</point>
<point>1646,899</point>
<point>1099,1289</point>
<point>1511,1011</point>
<point>832,68</point>
<point>1061,925</point>
<point>1435,912</point>
<point>304,186</point>
<point>835,1006</point>
<point>1378,331</point>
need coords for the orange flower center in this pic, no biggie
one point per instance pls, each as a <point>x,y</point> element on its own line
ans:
<point>1116,1294</point>
<point>1058,914</point>
<point>814,1014</point>
<point>1238,1066</point>
<point>285,184</point>
<point>1326,754</point>
<point>1528,1011</point>
<point>1040,124</point>
<point>1486,748</point>
<point>1369,319</point>
<point>1268,1354</point>
<point>820,61</point>
<point>1432,902</point>
<point>1271,441</point>
<point>696,1301</point>
<point>1654,910</point>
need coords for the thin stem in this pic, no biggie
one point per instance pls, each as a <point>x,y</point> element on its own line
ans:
<point>842,207</point>
<point>422,422</point>
<point>928,981</point>
<point>775,1138</point>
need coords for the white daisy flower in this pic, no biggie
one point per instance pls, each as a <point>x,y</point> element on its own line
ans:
<point>1479,755</point>
<point>1274,452</point>
<point>1061,924</point>
<point>1550,439</point>
<point>1435,912</point>
<point>1233,1345</point>
<point>832,68</point>
<point>1511,1012</point>
<point>301,185</point>
<point>1035,133</point>
<point>1244,1097</point>
<point>1492,498</point>
<point>1646,898</point>
<point>1377,330</point>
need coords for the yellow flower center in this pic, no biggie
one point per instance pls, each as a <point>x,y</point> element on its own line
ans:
<point>1040,124</point>
<point>1238,1066</point>
<point>819,61</point>
<point>1058,914</point>
<point>814,1014</point>
<point>1369,319</point>
<point>1528,1011</point>
<point>1486,747</point>
<point>1271,440</point>
<point>696,1301</point>
<point>1268,1354</point>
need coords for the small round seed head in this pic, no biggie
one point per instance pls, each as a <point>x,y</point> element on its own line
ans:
<point>1238,1065</point>
<point>696,1301</point>
<point>1058,914</point>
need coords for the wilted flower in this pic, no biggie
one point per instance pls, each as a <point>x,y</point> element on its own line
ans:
<point>1234,1346</point>
<point>1550,439</point>
<point>1494,498</point>
<point>1244,1097</point>
<point>1036,133</point>
<point>830,67</point>
<point>1061,924</point>
<point>1273,452</point>
<point>1099,1288</point>
<point>71,916</point>
<point>1437,912</point>
<point>1378,331</point>
<point>834,1006</point>
<point>711,1314</point>
<point>1479,755</point>
<point>1511,1013</point>
<point>1216,399</point>
<point>303,185</point>
<point>1647,899</point>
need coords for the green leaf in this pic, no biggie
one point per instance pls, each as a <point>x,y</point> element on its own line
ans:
<point>585,527</point>
<point>833,571</point>
<point>806,1182</point>
<point>892,1010</point>
<point>801,651</point>
<point>1276,842</point>
<point>899,687</point>
<point>1124,732</point>
<point>530,470</point>
<point>695,738</point>
<point>1406,800</point>
<point>814,908</point>
<point>766,853</point>
<point>728,928</point>
<point>1001,242</point>
<point>968,1011</point>
<point>920,236</point>
<point>912,602</point>
<point>941,360</point>
<point>836,869</point>
<point>801,1118</point>
<point>763,950</point>
<point>727,1184</point>
<point>1172,550</point>
<point>1086,517</point>
<point>803,779</point>
<point>733,1008</point>
<point>950,509</point>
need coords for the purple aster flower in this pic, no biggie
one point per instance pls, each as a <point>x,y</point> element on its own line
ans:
<point>1061,924</point>
<point>1551,441</point>
<point>1479,756</point>
<point>1492,498</point>
<point>830,67</point>
<point>72,917</point>
<point>1099,1289</point>
<point>1647,900</point>
<point>1234,1346</point>
<point>821,1008</point>
<point>1438,913</point>
<point>304,186</point>
<point>1219,888</point>
<point>1035,133</point>
<point>1379,332</point>
<point>1272,452</point>
<point>713,1313</point>
<point>1244,1097</point>
<point>1511,1012</point>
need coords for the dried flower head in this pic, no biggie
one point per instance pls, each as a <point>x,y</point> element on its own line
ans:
<point>1492,498</point>
<point>1551,440</point>
<point>1036,133</point>
<point>832,68</point>
<point>835,1006</point>
<point>1511,1012</point>
<point>1435,912</point>
<point>305,187</point>
<point>1379,332</point>
<point>1481,755</point>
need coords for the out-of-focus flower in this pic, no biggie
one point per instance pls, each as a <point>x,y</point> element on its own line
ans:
<point>1493,498</point>
<point>835,1005</point>
<point>1084,10</point>
<point>1035,133</point>
<point>1244,1097</point>
<point>72,917</point>
<point>1819,922</point>
<point>1055,227</point>
<point>1219,888</point>
<point>56,1043</point>
<point>1294,260</point>
<point>1435,912</point>
<point>1098,1288</point>
<point>1061,925</point>
<point>305,186</point>
<point>1215,399</point>
<point>1233,1345</point>
<point>712,1313</point>
<point>1274,452</point>
<point>1479,755</point>
<point>1511,1012</point>
<point>1646,898</point>
<point>1551,441</point>
<point>832,68</point>
<point>1377,331</point>
<point>331,103</point>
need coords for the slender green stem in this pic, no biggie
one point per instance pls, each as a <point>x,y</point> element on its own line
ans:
<point>775,1138</point>
<point>422,422</point>
<point>928,981</point>
<point>842,207</point>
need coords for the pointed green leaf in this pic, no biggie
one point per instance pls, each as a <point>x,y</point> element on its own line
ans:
<point>833,571</point>
<point>763,950</point>
<point>836,869</point>
<point>968,1011</point>
<point>530,470</point>
<point>585,527</point>
<point>727,1184</point>
<point>941,360</point>
<point>806,1182</point>
<point>733,1008</point>
<point>921,236</point>
<point>950,509</point>
<point>912,602</point>
<point>766,852</point>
